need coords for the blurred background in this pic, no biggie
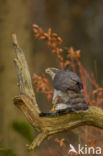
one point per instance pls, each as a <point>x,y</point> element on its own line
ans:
<point>80,24</point>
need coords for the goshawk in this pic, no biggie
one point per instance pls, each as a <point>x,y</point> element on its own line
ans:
<point>68,92</point>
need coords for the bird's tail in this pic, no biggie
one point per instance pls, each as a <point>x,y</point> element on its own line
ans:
<point>61,109</point>
<point>64,108</point>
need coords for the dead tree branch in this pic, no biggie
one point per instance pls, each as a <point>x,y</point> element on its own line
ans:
<point>46,126</point>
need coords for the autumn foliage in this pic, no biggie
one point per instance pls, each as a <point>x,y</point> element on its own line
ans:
<point>68,57</point>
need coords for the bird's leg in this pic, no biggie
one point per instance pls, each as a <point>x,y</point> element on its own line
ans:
<point>54,101</point>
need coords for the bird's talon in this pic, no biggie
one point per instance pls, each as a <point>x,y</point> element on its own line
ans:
<point>53,108</point>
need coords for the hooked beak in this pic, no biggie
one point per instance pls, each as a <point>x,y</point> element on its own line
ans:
<point>47,70</point>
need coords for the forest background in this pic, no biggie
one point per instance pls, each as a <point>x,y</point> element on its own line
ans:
<point>79,23</point>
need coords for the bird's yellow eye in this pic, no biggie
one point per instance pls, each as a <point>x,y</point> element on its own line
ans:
<point>52,69</point>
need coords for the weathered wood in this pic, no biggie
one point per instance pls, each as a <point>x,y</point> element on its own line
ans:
<point>46,126</point>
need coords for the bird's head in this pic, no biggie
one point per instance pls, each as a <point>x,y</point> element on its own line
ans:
<point>52,71</point>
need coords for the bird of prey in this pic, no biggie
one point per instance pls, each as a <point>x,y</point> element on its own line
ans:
<point>68,92</point>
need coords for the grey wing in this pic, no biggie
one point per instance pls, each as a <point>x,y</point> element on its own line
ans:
<point>67,81</point>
